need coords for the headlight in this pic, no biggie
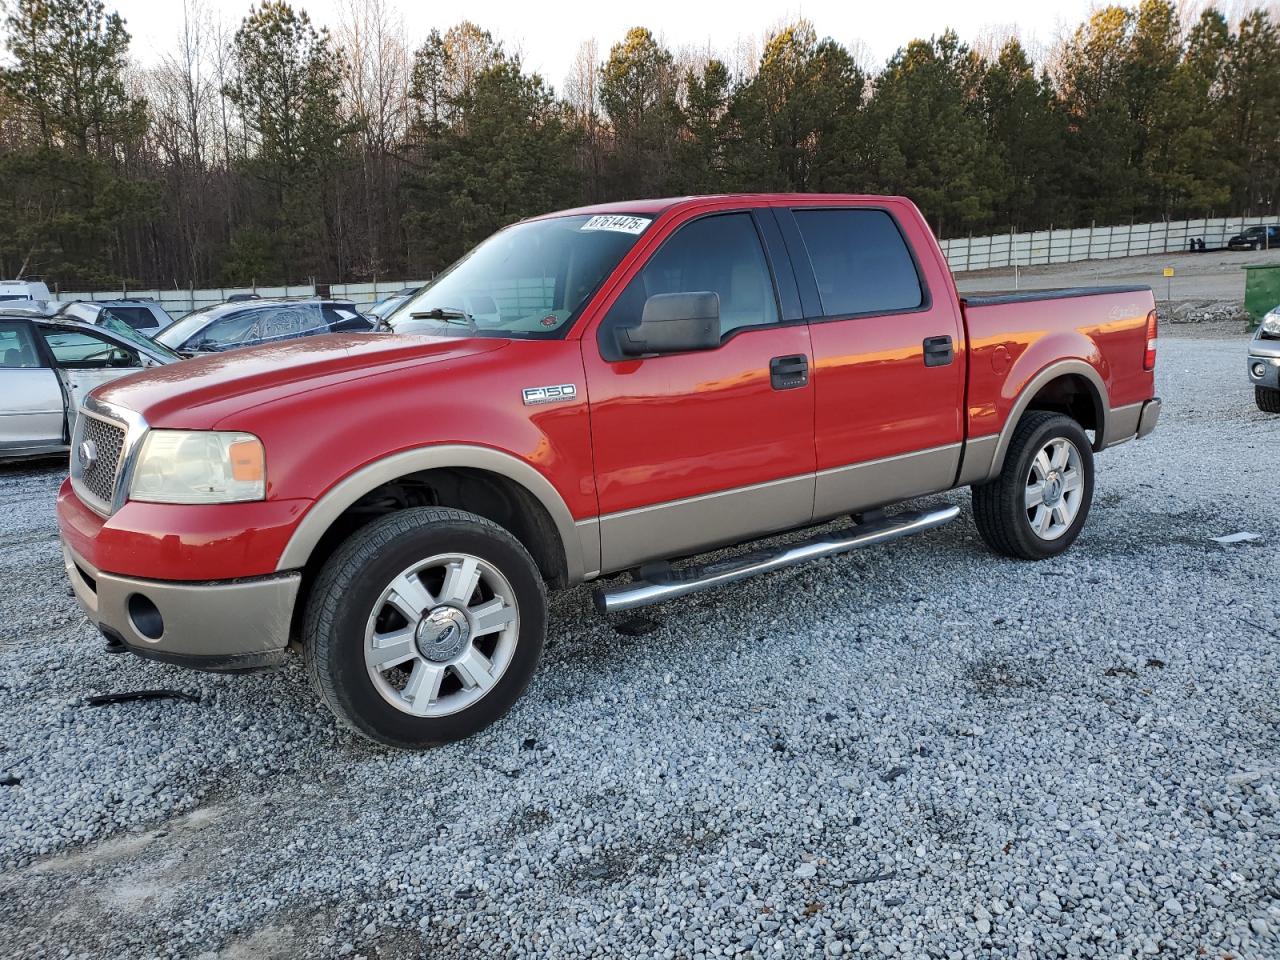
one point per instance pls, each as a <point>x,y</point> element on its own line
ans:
<point>198,466</point>
<point>1271,323</point>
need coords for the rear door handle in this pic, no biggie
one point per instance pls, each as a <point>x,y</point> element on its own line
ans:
<point>937,351</point>
<point>787,373</point>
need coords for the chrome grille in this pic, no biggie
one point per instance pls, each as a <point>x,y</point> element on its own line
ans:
<point>99,478</point>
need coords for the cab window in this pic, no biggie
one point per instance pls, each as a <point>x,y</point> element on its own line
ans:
<point>860,262</point>
<point>721,254</point>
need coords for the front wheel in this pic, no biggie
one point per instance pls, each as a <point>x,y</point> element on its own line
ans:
<point>425,627</point>
<point>1268,400</point>
<point>1037,506</point>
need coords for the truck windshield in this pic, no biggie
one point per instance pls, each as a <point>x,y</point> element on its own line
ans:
<point>528,281</point>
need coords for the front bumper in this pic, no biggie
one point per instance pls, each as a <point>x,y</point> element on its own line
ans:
<point>226,625</point>
<point>1264,365</point>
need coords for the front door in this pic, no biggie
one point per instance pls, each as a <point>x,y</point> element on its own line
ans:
<point>86,360</point>
<point>31,404</point>
<point>711,447</point>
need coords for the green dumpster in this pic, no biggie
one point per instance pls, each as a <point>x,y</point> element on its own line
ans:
<point>1261,289</point>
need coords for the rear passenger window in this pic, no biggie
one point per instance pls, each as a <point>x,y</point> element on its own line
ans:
<point>860,261</point>
<point>721,254</point>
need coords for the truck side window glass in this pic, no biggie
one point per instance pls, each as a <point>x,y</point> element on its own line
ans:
<point>721,254</point>
<point>860,262</point>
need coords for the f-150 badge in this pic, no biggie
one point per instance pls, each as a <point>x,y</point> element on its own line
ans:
<point>536,395</point>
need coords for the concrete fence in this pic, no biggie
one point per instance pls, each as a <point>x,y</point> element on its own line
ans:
<point>178,303</point>
<point>1090,243</point>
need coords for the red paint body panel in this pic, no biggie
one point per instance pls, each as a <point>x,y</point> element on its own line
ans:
<point>639,432</point>
<point>1107,331</point>
<point>163,541</point>
<point>667,428</point>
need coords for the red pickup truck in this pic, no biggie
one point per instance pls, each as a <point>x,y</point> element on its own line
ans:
<point>601,390</point>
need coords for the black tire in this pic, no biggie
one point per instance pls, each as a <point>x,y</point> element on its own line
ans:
<point>999,506</point>
<point>1268,400</point>
<point>351,583</point>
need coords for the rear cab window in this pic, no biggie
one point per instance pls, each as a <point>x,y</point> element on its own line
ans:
<point>861,261</point>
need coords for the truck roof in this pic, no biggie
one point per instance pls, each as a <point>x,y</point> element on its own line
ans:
<point>659,205</point>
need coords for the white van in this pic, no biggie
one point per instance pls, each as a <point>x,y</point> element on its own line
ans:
<point>24,290</point>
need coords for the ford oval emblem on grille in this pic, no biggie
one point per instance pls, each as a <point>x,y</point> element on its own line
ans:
<point>87,453</point>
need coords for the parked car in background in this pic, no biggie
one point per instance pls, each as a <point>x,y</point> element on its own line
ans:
<point>145,316</point>
<point>388,305</point>
<point>240,297</point>
<point>1264,363</point>
<point>24,290</point>
<point>48,364</point>
<point>1256,238</point>
<point>244,323</point>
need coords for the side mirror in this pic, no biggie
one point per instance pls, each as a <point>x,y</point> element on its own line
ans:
<point>674,323</point>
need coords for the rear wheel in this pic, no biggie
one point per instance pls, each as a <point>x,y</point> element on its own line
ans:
<point>425,627</point>
<point>1037,506</point>
<point>1268,400</point>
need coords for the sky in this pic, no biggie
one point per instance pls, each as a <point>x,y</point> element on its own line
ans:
<point>547,35</point>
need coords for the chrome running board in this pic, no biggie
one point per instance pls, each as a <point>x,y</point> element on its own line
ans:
<point>641,593</point>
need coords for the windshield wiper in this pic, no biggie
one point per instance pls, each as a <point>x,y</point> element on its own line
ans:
<point>447,314</point>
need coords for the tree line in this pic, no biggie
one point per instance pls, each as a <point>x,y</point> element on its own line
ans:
<point>275,151</point>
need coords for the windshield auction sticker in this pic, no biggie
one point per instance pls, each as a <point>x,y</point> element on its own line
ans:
<point>617,223</point>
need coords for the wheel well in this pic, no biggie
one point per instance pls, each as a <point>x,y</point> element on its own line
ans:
<point>489,495</point>
<point>1072,395</point>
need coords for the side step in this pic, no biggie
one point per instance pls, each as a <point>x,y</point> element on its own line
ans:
<point>641,593</point>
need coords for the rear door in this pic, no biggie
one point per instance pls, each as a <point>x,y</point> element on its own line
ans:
<point>698,449</point>
<point>31,404</point>
<point>888,350</point>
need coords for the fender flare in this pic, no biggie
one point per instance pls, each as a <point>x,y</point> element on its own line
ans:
<point>1033,386</point>
<point>320,517</point>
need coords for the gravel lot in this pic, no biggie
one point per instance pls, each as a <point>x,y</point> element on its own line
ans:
<point>917,751</point>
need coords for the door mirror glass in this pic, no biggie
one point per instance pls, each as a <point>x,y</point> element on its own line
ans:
<point>674,323</point>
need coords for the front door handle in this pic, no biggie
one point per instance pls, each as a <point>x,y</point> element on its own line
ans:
<point>787,373</point>
<point>937,351</point>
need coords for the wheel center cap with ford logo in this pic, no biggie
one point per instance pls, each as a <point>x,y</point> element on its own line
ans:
<point>87,453</point>
<point>442,634</point>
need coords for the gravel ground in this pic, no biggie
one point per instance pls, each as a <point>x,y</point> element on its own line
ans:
<point>918,751</point>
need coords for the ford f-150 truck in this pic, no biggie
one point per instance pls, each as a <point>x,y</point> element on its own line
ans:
<point>585,393</point>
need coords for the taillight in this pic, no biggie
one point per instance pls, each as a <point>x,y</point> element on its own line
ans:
<point>1149,360</point>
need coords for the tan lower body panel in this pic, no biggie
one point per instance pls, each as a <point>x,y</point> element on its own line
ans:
<point>220,619</point>
<point>1122,424</point>
<point>703,523</point>
<point>861,486</point>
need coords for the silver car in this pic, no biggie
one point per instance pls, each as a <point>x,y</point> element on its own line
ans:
<point>49,363</point>
<point>1264,363</point>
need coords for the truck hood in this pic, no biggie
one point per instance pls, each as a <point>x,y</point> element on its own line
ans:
<point>196,393</point>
